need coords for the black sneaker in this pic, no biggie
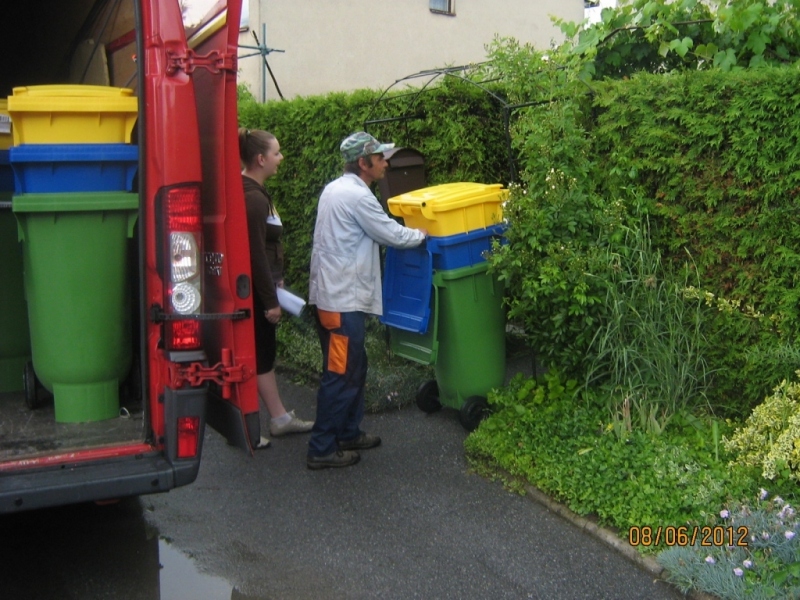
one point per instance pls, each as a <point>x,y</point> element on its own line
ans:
<point>339,458</point>
<point>362,442</point>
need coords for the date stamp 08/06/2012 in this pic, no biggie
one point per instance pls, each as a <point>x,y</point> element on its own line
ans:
<point>688,535</point>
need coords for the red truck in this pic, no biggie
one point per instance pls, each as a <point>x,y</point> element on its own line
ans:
<point>191,363</point>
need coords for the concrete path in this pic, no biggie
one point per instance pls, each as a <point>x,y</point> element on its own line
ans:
<point>409,521</point>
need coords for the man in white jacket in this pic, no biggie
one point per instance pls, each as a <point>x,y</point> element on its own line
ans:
<point>345,286</point>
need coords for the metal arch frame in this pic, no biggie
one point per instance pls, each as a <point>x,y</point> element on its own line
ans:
<point>434,74</point>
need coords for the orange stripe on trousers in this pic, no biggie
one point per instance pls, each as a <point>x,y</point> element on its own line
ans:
<point>337,346</point>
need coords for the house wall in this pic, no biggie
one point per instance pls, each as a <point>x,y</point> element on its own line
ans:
<point>343,45</point>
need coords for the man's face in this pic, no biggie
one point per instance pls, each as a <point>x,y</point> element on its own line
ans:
<point>377,170</point>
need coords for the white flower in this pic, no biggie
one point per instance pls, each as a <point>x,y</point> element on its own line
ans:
<point>747,564</point>
<point>763,494</point>
<point>710,560</point>
<point>724,514</point>
<point>778,500</point>
<point>788,534</point>
<point>738,572</point>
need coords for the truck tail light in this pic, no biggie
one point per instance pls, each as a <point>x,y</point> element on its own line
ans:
<point>183,226</point>
<point>188,436</point>
<point>184,334</point>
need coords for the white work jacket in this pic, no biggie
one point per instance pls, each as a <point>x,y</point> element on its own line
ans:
<point>345,259</point>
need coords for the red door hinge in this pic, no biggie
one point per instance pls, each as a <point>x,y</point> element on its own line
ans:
<point>188,60</point>
<point>224,373</point>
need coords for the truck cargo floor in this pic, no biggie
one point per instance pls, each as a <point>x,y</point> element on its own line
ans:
<point>27,433</point>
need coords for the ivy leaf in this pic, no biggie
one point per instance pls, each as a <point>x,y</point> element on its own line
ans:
<point>681,47</point>
<point>588,39</point>
<point>725,60</point>
<point>707,51</point>
<point>757,42</point>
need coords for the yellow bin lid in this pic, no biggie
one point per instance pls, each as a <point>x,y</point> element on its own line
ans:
<point>69,114</point>
<point>451,208</point>
<point>71,91</point>
<point>448,196</point>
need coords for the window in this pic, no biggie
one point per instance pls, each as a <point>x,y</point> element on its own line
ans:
<point>443,7</point>
<point>244,19</point>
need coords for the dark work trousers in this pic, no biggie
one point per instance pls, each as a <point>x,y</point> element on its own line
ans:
<point>340,399</point>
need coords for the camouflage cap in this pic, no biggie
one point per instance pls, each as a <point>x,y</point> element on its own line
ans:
<point>361,144</point>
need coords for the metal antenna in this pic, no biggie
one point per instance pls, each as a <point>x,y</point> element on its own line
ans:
<point>263,51</point>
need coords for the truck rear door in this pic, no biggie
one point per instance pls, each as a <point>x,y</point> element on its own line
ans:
<point>233,407</point>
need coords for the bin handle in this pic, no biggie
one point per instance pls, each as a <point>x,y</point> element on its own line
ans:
<point>131,222</point>
<point>20,230</point>
<point>435,342</point>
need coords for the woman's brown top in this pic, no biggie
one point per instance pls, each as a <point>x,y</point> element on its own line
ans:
<point>266,249</point>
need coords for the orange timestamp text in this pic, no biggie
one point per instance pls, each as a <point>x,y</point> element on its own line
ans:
<point>688,535</point>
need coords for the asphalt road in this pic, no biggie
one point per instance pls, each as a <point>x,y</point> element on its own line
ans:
<point>409,521</point>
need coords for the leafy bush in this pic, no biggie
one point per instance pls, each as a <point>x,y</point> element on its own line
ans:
<point>770,438</point>
<point>558,224</point>
<point>561,439</point>
<point>660,36</point>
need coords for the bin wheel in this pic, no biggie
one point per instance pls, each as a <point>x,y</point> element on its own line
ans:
<point>31,386</point>
<point>473,411</point>
<point>428,397</point>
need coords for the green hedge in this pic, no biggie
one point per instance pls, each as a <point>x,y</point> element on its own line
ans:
<point>717,155</point>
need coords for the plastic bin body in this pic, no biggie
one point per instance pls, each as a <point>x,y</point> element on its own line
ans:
<point>471,358</point>
<point>466,340</point>
<point>72,114</point>
<point>451,208</point>
<point>15,344</point>
<point>464,249</point>
<point>407,288</point>
<point>45,168</point>
<point>76,283</point>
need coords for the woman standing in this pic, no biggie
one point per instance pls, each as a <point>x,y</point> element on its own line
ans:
<point>260,153</point>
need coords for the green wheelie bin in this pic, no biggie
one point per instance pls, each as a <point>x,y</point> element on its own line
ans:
<point>464,340</point>
<point>77,288</point>
<point>471,332</point>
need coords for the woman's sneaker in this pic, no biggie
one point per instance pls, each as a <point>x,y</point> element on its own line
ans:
<point>294,425</point>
